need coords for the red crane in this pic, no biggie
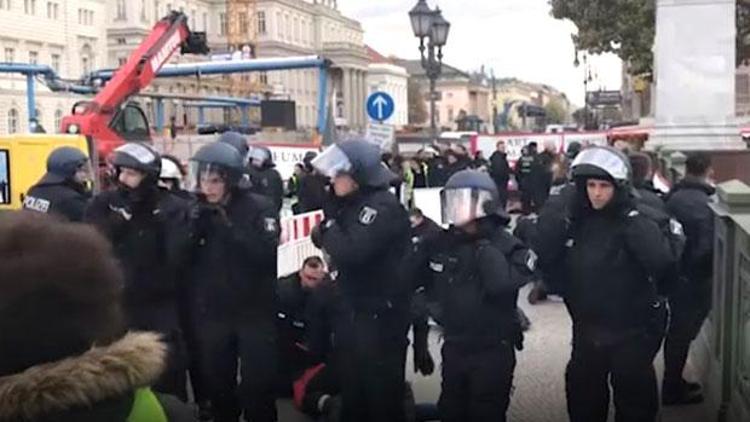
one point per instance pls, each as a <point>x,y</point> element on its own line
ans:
<point>106,119</point>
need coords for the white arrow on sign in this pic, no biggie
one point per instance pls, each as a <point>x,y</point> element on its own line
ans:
<point>380,102</point>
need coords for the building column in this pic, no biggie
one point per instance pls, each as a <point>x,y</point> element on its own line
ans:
<point>353,98</point>
<point>362,98</point>
<point>356,103</point>
<point>346,86</point>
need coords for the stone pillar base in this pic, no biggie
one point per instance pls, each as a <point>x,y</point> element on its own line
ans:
<point>702,137</point>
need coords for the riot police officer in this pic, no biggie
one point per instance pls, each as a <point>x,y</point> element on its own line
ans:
<point>524,176</point>
<point>146,226</point>
<point>477,268</point>
<point>366,234</point>
<point>612,253</point>
<point>264,178</point>
<point>237,140</point>
<point>63,189</point>
<point>232,272</point>
<point>171,177</point>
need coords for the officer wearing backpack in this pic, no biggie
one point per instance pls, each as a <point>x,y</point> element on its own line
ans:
<point>476,270</point>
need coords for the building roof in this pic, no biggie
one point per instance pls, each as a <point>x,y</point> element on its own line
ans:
<point>376,57</point>
<point>414,67</point>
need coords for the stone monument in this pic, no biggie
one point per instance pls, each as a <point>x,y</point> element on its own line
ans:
<point>695,76</point>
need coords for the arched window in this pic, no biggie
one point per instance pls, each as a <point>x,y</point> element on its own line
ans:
<point>12,120</point>
<point>86,59</point>
<point>58,119</point>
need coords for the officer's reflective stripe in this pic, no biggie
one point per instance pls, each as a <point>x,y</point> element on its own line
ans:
<point>147,408</point>
<point>437,267</point>
<point>36,204</point>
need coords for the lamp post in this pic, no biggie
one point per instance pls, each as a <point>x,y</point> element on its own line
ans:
<point>432,30</point>
<point>586,79</point>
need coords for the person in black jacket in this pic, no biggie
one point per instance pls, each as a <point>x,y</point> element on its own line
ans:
<point>473,290</point>
<point>147,227</point>
<point>690,299</point>
<point>231,275</point>
<point>63,190</point>
<point>366,235</point>
<point>312,187</point>
<point>264,179</point>
<point>524,175</point>
<point>500,172</point>
<point>611,251</point>
<point>642,174</point>
<point>65,353</point>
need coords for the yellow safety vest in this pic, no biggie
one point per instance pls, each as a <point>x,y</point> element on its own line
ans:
<point>147,408</point>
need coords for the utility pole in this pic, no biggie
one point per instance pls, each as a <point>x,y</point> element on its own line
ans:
<point>494,103</point>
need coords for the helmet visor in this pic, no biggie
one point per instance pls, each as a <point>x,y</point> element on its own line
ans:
<point>604,159</point>
<point>462,206</point>
<point>332,162</point>
<point>201,175</point>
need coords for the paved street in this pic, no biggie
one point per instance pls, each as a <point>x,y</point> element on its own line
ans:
<point>539,385</point>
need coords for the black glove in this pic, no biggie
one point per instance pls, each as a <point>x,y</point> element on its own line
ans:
<point>316,235</point>
<point>423,362</point>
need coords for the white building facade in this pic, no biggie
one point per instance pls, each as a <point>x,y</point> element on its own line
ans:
<point>393,80</point>
<point>67,35</point>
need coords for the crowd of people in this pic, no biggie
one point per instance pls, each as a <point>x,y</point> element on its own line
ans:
<point>116,306</point>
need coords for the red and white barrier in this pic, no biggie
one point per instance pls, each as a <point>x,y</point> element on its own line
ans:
<point>296,245</point>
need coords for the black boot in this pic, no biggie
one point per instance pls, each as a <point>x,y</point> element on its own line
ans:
<point>681,393</point>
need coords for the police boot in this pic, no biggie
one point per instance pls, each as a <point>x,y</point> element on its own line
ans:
<point>331,409</point>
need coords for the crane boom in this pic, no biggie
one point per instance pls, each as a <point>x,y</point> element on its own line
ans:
<point>95,118</point>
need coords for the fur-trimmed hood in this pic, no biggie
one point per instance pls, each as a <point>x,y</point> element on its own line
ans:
<point>101,373</point>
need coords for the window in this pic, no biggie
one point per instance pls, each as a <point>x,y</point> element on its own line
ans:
<point>55,62</point>
<point>121,13</point>
<point>85,65</point>
<point>144,18</point>
<point>263,78</point>
<point>450,114</point>
<point>261,23</point>
<point>12,120</point>
<point>122,41</point>
<point>222,24</point>
<point>10,55</point>
<point>33,57</point>
<point>156,10</point>
<point>193,25</point>
<point>122,60</point>
<point>296,29</point>
<point>287,27</point>
<point>169,9</point>
<point>58,118</point>
<point>53,10</point>
<point>279,26</point>
<point>243,29</point>
<point>205,22</point>
<point>29,7</point>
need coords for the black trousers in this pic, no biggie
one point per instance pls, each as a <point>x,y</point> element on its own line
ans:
<point>626,364</point>
<point>689,305</point>
<point>477,382</point>
<point>221,346</point>
<point>371,356</point>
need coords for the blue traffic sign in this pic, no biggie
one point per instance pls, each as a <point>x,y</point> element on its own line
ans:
<point>380,106</point>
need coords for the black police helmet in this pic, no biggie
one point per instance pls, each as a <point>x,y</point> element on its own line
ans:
<point>367,168</point>
<point>138,156</point>
<point>223,156</point>
<point>237,140</point>
<point>307,160</point>
<point>574,148</point>
<point>63,163</point>
<point>478,180</point>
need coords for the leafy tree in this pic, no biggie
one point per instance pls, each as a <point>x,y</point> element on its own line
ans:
<point>556,113</point>
<point>417,108</point>
<point>627,28</point>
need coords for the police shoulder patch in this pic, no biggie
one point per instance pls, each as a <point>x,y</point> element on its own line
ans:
<point>36,204</point>
<point>368,215</point>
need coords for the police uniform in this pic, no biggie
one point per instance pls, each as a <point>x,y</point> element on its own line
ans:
<point>57,192</point>
<point>231,276</point>
<point>147,228</point>
<point>612,257</point>
<point>264,179</point>
<point>366,235</point>
<point>473,290</point>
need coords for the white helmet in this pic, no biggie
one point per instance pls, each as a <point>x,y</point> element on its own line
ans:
<point>169,170</point>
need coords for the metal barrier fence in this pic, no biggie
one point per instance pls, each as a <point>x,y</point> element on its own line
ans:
<point>722,351</point>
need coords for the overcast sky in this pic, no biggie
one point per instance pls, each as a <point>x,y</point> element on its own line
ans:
<point>518,38</point>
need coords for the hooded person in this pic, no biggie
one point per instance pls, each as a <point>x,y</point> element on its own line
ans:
<point>64,189</point>
<point>264,178</point>
<point>366,234</point>
<point>147,228</point>
<point>65,353</point>
<point>612,252</point>
<point>475,270</point>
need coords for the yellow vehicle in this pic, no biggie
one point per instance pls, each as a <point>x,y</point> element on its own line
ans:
<point>23,161</point>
